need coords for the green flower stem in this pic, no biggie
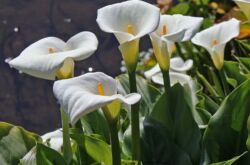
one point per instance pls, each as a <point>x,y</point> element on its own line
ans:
<point>81,148</point>
<point>224,81</point>
<point>67,150</point>
<point>134,119</point>
<point>217,82</point>
<point>115,145</point>
<point>207,84</point>
<point>166,80</point>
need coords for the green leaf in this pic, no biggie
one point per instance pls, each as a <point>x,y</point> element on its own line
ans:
<point>95,122</point>
<point>29,158</point>
<point>199,2</point>
<point>157,147</point>
<point>148,92</point>
<point>232,82</point>
<point>207,23</point>
<point>245,44</point>
<point>245,61</point>
<point>95,148</point>
<point>127,142</point>
<point>227,133</point>
<point>205,102</point>
<point>248,138</point>
<point>48,156</point>
<point>129,162</point>
<point>181,8</point>
<point>233,71</point>
<point>231,161</point>
<point>204,115</point>
<point>174,127</point>
<point>98,150</point>
<point>15,142</point>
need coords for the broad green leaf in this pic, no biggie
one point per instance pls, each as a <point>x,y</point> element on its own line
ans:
<point>161,113</point>
<point>226,134</point>
<point>207,23</point>
<point>181,8</point>
<point>29,158</point>
<point>233,71</point>
<point>15,142</point>
<point>157,146</point>
<point>95,122</point>
<point>129,162</point>
<point>127,142</point>
<point>232,82</point>
<point>176,128</point>
<point>231,161</point>
<point>245,44</point>
<point>48,156</point>
<point>98,150</point>
<point>95,148</point>
<point>204,115</point>
<point>248,138</point>
<point>148,92</point>
<point>205,102</point>
<point>245,61</point>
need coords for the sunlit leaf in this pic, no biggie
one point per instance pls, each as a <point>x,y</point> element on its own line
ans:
<point>15,142</point>
<point>227,133</point>
<point>171,136</point>
<point>181,8</point>
<point>48,156</point>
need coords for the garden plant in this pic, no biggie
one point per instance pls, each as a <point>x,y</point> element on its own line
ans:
<point>185,101</point>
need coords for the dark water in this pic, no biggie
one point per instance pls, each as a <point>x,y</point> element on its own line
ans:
<point>29,101</point>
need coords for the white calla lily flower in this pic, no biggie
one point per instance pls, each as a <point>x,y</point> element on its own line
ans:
<point>84,94</point>
<point>215,38</point>
<point>54,139</point>
<point>174,78</point>
<point>171,29</point>
<point>129,21</point>
<point>177,64</point>
<point>51,56</point>
<point>183,79</point>
<point>154,70</point>
<point>178,28</point>
<point>244,6</point>
<point>160,49</point>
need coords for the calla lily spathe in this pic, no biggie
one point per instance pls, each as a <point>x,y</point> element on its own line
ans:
<point>174,78</point>
<point>177,74</point>
<point>51,56</point>
<point>54,139</point>
<point>84,94</point>
<point>177,64</point>
<point>215,38</point>
<point>178,28</point>
<point>129,21</point>
<point>171,29</point>
<point>244,6</point>
<point>181,78</point>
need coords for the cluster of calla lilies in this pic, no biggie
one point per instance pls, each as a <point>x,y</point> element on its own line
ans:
<point>53,59</point>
